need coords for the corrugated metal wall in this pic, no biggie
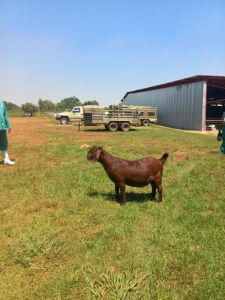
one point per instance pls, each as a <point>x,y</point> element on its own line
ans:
<point>180,106</point>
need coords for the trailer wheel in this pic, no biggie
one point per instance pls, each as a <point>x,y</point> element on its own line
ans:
<point>113,126</point>
<point>64,121</point>
<point>145,122</point>
<point>125,126</point>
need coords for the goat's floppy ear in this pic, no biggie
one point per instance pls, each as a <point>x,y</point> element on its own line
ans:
<point>98,152</point>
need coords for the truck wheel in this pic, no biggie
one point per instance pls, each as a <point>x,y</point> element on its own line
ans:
<point>145,122</point>
<point>106,127</point>
<point>125,126</point>
<point>113,126</point>
<point>64,121</point>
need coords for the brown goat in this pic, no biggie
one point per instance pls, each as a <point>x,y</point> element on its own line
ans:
<point>136,173</point>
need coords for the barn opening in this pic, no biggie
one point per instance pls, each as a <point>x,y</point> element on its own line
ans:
<point>215,105</point>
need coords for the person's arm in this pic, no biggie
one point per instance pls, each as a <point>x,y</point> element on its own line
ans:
<point>7,122</point>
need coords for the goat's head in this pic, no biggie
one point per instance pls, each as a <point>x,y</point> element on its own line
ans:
<point>94,153</point>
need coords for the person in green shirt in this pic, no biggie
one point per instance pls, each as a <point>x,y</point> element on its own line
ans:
<point>4,126</point>
<point>222,147</point>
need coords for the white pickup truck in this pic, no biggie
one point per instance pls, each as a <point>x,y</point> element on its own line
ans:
<point>75,115</point>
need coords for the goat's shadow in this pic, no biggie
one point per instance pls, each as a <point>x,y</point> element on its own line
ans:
<point>130,196</point>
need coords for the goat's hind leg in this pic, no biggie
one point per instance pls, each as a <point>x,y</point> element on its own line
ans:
<point>152,195</point>
<point>158,183</point>
<point>160,189</point>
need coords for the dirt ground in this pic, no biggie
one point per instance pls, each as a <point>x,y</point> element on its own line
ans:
<point>36,131</point>
<point>28,134</point>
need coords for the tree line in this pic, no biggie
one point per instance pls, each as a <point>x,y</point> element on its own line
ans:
<point>48,105</point>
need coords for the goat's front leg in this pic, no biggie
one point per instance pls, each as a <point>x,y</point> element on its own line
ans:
<point>117,190</point>
<point>123,194</point>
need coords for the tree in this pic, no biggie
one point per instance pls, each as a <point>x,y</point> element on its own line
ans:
<point>68,103</point>
<point>45,105</point>
<point>11,106</point>
<point>29,108</point>
<point>93,102</point>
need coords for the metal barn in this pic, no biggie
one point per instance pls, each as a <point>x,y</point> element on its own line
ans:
<point>191,103</point>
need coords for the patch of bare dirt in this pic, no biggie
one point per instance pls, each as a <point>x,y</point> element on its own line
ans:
<point>37,131</point>
<point>28,130</point>
<point>180,156</point>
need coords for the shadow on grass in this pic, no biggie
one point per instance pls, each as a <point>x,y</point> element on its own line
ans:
<point>104,130</point>
<point>130,196</point>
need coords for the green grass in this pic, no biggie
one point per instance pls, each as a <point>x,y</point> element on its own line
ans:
<point>63,236</point>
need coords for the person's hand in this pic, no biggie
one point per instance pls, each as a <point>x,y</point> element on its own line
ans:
<point>9,130</point>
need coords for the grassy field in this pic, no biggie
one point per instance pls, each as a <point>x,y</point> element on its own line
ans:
<point>63,236</point>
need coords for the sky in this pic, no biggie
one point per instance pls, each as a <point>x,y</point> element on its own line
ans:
<point>99,50</point>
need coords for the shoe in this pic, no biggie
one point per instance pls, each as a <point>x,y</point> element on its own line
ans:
<point>9,162</point>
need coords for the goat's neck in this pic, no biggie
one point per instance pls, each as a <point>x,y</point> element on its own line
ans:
<point>105,159</point>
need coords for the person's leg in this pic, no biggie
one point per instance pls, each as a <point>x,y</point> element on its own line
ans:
<point>222,147</point>
<point>4,148</point>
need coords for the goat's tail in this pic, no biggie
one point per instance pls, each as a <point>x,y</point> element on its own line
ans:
<point>164,158</point>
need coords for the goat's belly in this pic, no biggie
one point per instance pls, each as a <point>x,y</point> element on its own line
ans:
<point>137,183</point>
